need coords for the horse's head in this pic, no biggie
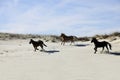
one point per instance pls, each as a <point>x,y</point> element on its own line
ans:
<point>30,41</point>
<point>94,40</point>
<point>62,34</point>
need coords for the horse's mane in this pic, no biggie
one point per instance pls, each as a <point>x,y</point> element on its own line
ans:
<point>94,39</point>
<point>62,34</point>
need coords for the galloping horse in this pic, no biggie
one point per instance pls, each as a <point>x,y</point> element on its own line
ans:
<point>100,44</point>
<point>37,43</point>
<point>65,38</point>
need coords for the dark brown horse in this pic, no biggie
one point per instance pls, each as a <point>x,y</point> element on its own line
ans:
<point>100,44</point>
<point>65,38</point>
<point>37,43</point>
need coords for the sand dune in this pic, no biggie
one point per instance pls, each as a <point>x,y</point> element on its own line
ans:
<point>18,61</point>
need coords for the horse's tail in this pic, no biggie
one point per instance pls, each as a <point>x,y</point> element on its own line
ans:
<point>75,38</point>
<point>44,45</point>
<point>110,46</point>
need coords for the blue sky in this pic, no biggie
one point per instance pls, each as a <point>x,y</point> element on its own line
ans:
<point>73,17</point>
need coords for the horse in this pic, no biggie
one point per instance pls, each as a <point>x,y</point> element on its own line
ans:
<point>101,44</point>
<point>37,43</point>
<point>65,38</point>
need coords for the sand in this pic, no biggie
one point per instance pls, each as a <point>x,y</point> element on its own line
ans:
<point>18,61</point>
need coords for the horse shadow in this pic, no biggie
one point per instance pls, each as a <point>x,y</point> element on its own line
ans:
<point>51,51</point>
<point>115,53</point>
<point>81,45</point>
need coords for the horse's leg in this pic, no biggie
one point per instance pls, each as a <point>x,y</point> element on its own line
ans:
<point>95,50</point>
<point>37,48</point>
<point>102,49</point>
<point>34,48</point>
<point>71,43</point>
<point>74,42</point>
<point>42,48</point>
<point>107,48</point>
<point>63,43</point>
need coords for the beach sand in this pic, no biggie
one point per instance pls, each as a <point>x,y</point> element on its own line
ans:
<point>18,61</point>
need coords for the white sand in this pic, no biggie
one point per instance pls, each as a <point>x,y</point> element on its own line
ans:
<point>18,61</point>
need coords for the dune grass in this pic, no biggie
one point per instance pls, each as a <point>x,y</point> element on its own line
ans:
<point>54,38</point>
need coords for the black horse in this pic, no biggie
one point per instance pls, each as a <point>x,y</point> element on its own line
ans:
<point>37,43</point>
<point>101,44</point>
<point>65,38</point>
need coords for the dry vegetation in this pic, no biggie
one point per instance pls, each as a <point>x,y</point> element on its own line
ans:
<point>7,36</point>
<point>115,34</point>
<point>84,39</point>
<point>10,36</point>
<point>111,37</point>
<point>54,38</point>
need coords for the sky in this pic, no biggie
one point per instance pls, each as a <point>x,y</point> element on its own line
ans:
<point>72,17</point>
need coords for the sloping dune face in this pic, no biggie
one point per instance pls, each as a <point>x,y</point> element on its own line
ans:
<point>19,61</point>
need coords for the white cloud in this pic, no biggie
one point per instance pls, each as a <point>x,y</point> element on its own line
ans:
<point>83,19</point>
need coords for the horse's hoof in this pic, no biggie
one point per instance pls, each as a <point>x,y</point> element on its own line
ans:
<point>42,50</point>
<point>107,52</point>
<point>101,52</point>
